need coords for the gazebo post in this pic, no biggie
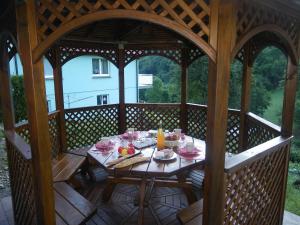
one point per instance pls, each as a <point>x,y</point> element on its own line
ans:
<point>245,98</point>
<point>184,78</point>
<point>5,91</point>
<point>34,84</point>
<point>221,38</point>
<point>287,118</point>
<point>59,99</point>
<point>122,109</point>
<point>289,99</point>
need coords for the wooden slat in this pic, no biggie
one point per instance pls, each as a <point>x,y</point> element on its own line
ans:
<point>65,167</point>
<point>59,220</point>
<point>190,213</point>
<point>75,199</point>
<point>140,168</point>
<point>66,211</point>
<point>196,221</point>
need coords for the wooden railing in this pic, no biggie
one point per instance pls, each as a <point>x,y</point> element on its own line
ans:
<point>256,182</point>
<point>21,179</point>
<point>197,116</point>
<point>85,126</point>
<point>148,116</point>
<point>22,129</point>
<point>259,130</point>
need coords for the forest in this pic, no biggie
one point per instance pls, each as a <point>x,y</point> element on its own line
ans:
<point>267,82</point>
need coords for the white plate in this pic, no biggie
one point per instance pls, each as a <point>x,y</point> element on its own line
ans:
<point>174,156</point>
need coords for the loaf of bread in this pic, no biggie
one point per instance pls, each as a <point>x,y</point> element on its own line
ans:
<point>132,161</point>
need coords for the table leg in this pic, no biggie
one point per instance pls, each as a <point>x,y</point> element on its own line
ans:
<point>108,190</point>
<point>187,190</point>
<point>141,201</point>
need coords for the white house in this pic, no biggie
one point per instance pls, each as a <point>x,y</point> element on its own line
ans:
<point>90,81</point>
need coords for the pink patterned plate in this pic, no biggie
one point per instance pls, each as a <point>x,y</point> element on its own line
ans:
<point>132,136</point>
<point>104,146</point>
<point>185,153</point>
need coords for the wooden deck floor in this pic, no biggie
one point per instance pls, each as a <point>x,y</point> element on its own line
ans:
<point>121,210</point>
<point>164,204</point>
<point>6,212</point>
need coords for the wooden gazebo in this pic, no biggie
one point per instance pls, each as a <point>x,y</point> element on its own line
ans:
<point>248,188</point>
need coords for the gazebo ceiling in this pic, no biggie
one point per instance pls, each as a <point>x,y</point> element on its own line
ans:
<point>125,31</point>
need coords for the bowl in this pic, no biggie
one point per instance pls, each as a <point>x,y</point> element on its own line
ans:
<point>171,144</point>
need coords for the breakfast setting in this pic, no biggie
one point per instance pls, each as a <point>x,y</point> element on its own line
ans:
<point>130,147</point>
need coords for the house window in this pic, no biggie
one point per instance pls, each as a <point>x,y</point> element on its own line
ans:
<point>100,67</point>
<point>48,105</point>
<point>102,99</point>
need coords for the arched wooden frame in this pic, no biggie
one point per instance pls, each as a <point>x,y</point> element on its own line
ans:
<point>7,49</point>
<point>9,43</point>
<point>174,54</point>
<point>133,54</point>
<point>193,55</point>
<point>121,14</point>
<point>261,48</point>
<point>288,43</point>
<point>69,52</point>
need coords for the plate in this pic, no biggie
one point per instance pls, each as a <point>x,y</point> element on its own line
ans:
<point>191,155</point>
<point>159,158</point>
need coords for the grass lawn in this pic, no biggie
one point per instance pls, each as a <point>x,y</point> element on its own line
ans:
<point>292,202</point>
<point>273,112</point>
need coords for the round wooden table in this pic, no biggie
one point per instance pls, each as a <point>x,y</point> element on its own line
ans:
<point>154,172</point>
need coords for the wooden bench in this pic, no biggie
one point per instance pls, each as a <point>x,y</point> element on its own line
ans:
<point>70,207</point>
<point>192,215</point>
<point>65,166</point>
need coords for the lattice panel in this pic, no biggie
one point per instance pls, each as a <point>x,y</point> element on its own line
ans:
<point>241,55</point>
<point>173,54</point>
<point>251,15</point>
<point>11,48</point>
<point>259,133</point>
<point>21,182</point>
<point>50,56</point>
<point>148,116</point>
<point>254,191</point>
<point>197,119</point>
<point>233,131</point>
<point>54,131</point>
<point>69,52</point>
<point>85,126</point>
<point>194,54</point>
<point>192,14</point>
<point>23,131</point>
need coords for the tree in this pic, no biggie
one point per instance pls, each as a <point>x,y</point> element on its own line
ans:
<point>18,98</point>
<point>158,93</point>
<point>270,65</point>
<point>166,83</point>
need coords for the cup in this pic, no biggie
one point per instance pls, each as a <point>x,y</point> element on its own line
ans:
<point>177,132</point>
<point>130,130</point>
<point>189,146</point>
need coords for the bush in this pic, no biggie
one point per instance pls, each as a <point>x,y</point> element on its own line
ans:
<point>295,155</point>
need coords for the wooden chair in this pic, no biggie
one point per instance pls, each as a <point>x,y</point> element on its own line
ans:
<point>192,215</point>
<point>70,207</point>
